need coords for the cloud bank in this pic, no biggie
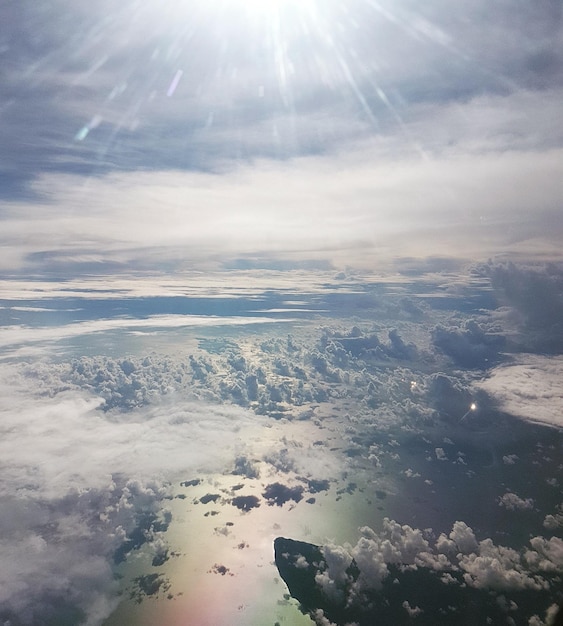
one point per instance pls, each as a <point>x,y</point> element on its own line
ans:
<point>77,484</point>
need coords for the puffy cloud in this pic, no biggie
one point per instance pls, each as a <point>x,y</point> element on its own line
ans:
<point>535,295</point>
<point>363,580</point>
<point>470,345</point>
<point>483,564</point>
<point>512,502</point>
<point>369,560</point>
<point>333,579</point>
<point>340,347</point>
<point>446,546</point>
<point>463,537</point>
<point>553,521</point>
<point>550,552</point>
<point>413,611</point>
<point>81,488</point>
<point>301,562</point>
<point>395,544</point>
<point>498,568</point>
<point>556,520</point>
<point>440,454</point>
<point>320,618</point>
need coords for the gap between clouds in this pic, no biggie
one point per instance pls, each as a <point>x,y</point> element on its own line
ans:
<point>18,336</point>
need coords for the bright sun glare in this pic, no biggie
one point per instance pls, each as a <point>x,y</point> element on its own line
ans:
<point>267,6</point>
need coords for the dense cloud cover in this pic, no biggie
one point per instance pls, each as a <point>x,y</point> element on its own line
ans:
<point>81,488</point>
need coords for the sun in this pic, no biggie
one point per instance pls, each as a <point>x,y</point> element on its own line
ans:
<point>269,6</point>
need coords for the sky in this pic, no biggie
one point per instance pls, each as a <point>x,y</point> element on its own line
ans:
<point>191,134</point>
<point>306,253</point>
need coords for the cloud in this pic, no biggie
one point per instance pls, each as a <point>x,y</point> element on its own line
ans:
<point>210,284</point>
<point>363,206</point>
<point>484,563</point>
<point>530,388</point>
<point>535,297</point>
<point>74,488</point>
<point>470,345</point>
<point>440,454</point>
<point>91,450</point>
<point>463,537</point>
<point>362,582</point>
<point>512,502</point>
<point>549,552</point>
<point>173,147</point>
<point>333,579</point>
<point>313,87</point>
<point>552,522</point>
<point>413,611</point>
<point>498,568</point>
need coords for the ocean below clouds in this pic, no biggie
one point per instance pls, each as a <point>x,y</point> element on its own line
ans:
<point>170,461</point>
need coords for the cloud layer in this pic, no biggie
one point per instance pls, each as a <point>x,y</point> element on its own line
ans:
<point>77,482</point>
<point>219,129</point>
